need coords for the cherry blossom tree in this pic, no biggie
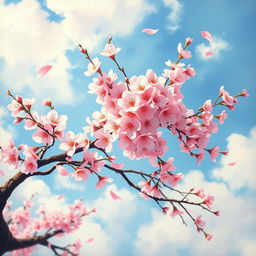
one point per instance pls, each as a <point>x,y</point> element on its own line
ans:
<point>133,111</point>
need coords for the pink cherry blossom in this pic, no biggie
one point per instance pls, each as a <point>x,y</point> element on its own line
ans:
<point>93,67</point>
<point>206,35</point>
<point>103,140</point>
<point>47,102</point>
<point>150,31</point>
<point>176,212</point>
<point>44,70</point>
<point>114,196</point>
<point>15,107</point>
<point>208,201</point>
<point>110,50</point>
<point>199,221</point>
<point>200,193</point>
<point>155,192</point>
<point>29,166</point>
<point>208,236</point>
<point>165,210</point>
<point>222,116</point>
<point>145,186</point>
<point>44,136</point>
<point>11,157</point>
<point>214,152</point>
<point>129,102</point>
<point>81,174</point>
<point>70,143</point>
<point>183,53</point>
<point>189,41</point>
<point>103,181</point>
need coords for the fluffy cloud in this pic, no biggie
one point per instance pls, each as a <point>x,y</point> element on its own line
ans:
<point>215,47</point>
<point>173,19</point>
<point>242,154</point>
<point>233,230</point>
<point>31,40</point>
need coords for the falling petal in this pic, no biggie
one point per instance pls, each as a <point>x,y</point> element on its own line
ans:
<point>150,31</point>
<point>206,35</point>
<point>90,240</point>
<point>62,171</point>
<point>114,196</point>
<point>232,163</point>
<point>60,197</point>
<point>118,166</point>
<point>207,54</point>
<point>2,173</point>
<point>45,69</point>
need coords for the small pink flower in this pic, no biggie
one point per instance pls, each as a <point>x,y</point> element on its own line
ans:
<point>93,67</point>
<point>155,192</point>
<point>103,181</point>
<point>81,174</point>
<point>189,40</point>
<point>41,136</point>
<point>165,210</point>
<point>183,53</point>
<point>222,116</point>
<point>176,212</point>
<point>244,93</point>
<point>145,186</point>
<point>214,152</point>
<point>208,54</point>
<point>47,102</point>
<point>199,222</point>
<point>200,193</point>
<point>208,201</point>
<point>29,166</point>
<point>110,50</point>
<point>207,107</point>
<point>208,236</point>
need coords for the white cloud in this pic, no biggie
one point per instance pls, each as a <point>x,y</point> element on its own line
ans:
<point>216,46</point>
<point>30,40</point>
<point>63,182</point>
<point>233,229</point>
<point>175,14</point>
<point>242,151</point>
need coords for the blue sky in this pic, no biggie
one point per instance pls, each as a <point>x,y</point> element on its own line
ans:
<point>36,33</point>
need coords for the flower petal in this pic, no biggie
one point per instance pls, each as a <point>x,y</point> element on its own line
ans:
<point>45,69</point>
<point>150,31</point>
<point>206,35</point>
<point>114,196</point>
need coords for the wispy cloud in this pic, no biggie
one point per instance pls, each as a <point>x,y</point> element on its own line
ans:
<point>213,50</point>
<point>174,17</point>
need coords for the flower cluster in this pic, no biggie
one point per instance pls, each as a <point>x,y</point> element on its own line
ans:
<point>62,221</point>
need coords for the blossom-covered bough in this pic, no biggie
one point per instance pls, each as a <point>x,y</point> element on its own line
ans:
<point>132,114</point>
